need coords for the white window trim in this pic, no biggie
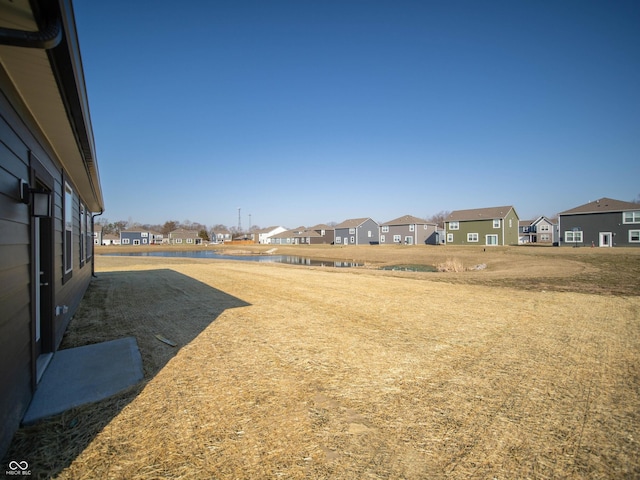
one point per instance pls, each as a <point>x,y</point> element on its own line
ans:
<point>352,231</point>
<point>454,225</point>
<point>576,236</point>
<point>397,238</point>
<point>493,235</point>
<point>635,217</point>
<point>496,223</point>
<point>473,237</point>
<point>449,237</point>
<point>635,233</point>
<point>412,228</point>
<point>385,229</point>
<point>125,241</point>
<point>68,228</point>
<point>382,239</point>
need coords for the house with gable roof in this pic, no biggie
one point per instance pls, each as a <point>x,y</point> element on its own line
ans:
<point>263,235</point>
<point>602,223</point>
<point>357,231</point>
<point>482,226</point>
<point>409,230</point>
<point>182,236</point>
<point>541,230</point>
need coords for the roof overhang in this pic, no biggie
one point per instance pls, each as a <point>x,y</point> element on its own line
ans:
<point>51,85</point>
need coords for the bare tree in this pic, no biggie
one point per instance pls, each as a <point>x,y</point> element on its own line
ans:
<point>439,218</point>
<point>169,226</point>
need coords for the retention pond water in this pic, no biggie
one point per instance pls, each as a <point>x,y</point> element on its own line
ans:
<point>213,255</point>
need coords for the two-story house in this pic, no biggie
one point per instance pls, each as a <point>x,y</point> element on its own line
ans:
<point>602,223</point>
<point>409,230</point>
<point>482,226</point>
<point>357,231</point>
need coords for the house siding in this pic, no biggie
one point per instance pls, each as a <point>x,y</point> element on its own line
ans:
<point>25,154</point>
<point>592,224</point>
<point>507,233</point>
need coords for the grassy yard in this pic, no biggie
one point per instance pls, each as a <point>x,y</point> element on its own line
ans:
<point>527,368</point>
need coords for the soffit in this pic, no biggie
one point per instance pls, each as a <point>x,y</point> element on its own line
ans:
<point>30,71</point>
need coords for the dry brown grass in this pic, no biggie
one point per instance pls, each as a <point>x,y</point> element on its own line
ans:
<point>293,372</point>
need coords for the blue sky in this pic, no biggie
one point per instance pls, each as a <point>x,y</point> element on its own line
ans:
<point>302,112</point>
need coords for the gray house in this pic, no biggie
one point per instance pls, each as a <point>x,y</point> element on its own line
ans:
<point>135,237</point>
<point>603,223</point>
<point>49,192</point>
<point>357,231</point>
<point>541,230</point>
<point>409,230</point>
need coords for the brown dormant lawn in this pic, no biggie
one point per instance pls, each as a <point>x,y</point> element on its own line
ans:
<point>525,369</point>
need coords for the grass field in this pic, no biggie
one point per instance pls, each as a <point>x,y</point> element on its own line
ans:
<point>525,369</point>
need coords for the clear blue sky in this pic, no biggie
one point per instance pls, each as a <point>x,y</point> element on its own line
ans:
<point>302,112</point>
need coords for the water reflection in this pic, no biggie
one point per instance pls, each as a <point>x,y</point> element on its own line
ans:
<point>289,259</point>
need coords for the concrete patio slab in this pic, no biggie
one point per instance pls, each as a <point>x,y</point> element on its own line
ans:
<point>81,375</point>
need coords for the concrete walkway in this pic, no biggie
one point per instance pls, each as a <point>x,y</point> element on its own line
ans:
<point>81,375</point>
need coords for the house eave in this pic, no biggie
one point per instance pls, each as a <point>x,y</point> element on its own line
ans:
<point>51,86</point>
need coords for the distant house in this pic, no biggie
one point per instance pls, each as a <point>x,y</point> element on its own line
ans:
<point>155,238</point>
<point>541,230</point>
<point>221,235</point>
<point>184,237</point>
<point>482,226</point>
<point>134,236</point>
<point>295,236</point>
<point>264,234</point>
<point>97,234</point>
<point>49,192</point>
<point>409,230</point>
<point>110,239</point>
<point>602,223</point>
<point>324,234</point>
<point>357,231</point>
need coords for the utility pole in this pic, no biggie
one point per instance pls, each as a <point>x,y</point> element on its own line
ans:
<point>249,222</point>
<point>239,221</point>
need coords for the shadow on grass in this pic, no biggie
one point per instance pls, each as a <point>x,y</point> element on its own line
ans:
<point>141,304</point>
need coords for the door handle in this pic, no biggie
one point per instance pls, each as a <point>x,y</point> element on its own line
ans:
<point>44,284</point>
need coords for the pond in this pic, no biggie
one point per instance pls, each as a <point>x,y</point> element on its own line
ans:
<point>213,255</point>
<point>410,268</point>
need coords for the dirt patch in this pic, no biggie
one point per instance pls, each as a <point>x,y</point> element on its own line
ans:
<point>294,372</point>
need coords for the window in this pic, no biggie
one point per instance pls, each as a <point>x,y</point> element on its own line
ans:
<point>338,240</point>
<point>454,225</point>
<point>426,227</point>
<point>352,231</point>
<point>397,239</point>
<point>573,236</point>
<point>412,228</point>
<point>125,241</point>
<point>544,227</point>
<point>496,223</point>
<point>369,234</point>
<point>144,241</point>
<point>634,236</point>
<point>178,240</point>
<point>189,240</point>
<point>136,241</point>
<point>68,230</point>
<point>472,237</point>
<point>83,234</point>
<point>492,239</point>
<point>449,237</point>
<point>89,237</point>
<point>382,239</point>
<point>144,234</point>
<point>544,237</point>
<point>631,217</point>
<point>353,239</point>
<point>385,229</point>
